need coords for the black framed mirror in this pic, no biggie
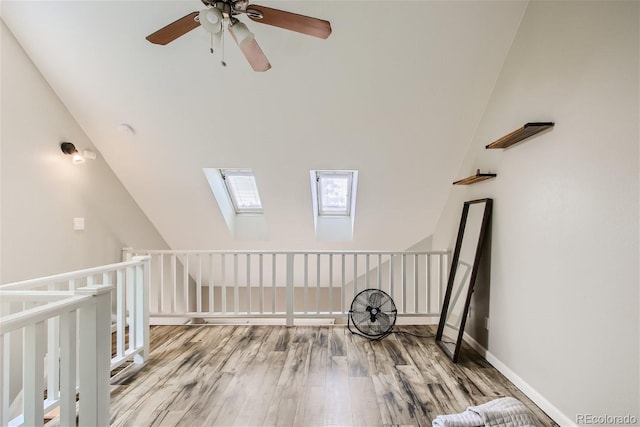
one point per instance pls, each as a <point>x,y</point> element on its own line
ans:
<point>462,276</point>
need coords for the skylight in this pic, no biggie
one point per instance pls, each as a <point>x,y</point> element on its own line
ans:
<point>242,189</point>
<point>334,192</point>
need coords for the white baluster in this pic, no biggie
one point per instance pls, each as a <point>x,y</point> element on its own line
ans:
<point>68,363</point>
<point>236,293</point>
<point>261,279</point>
<point>355,274</point>
<point>273,283</point>
<point>248,260</point>
<point>120,313</point>
<point>415,283</point>
<point>33,359</point>
<point>305,282</point>
<point>174,284</point>
<point>289,289</point>
<point>392,258</point>
<point>428,273</point>
<point>211,285</point>
<point>53,358</point>
<point>223,289</point>
<point>330,283</point>
<point>403,275</point>
<point>378,270</point>
<point>343,285</point>
<point>161,279</point>
<point>185,284</point>
<point>367,270</point>
<point>199,285</point>
<point>318,266</point>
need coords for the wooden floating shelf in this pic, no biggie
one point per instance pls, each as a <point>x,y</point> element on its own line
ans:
<point>518,135</point>
<point>478,177</point>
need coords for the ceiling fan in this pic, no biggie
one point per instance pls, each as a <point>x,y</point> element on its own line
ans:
<point>219,14</point>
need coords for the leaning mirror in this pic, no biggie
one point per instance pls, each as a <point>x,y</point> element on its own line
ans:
<point>462,276</point>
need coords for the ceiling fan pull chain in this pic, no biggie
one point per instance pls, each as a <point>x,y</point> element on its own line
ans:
<point>224,64</point>
<point>211,48</point>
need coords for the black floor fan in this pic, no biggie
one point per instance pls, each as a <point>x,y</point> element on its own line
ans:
<point>373,314</point>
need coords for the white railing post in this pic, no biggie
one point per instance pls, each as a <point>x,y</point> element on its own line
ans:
<point>142,310</point>
<point>289,291</point>
<point>95,360</point>
<point>34,337</point>
<point>68,363</point>
<point>130,305</point>
<point>127,253</point>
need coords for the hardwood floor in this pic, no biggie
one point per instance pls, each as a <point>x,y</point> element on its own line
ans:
<point>301,376</point>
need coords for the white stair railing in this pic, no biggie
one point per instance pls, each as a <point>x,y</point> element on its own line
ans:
<point>290,284</point>
<point>56,341</point>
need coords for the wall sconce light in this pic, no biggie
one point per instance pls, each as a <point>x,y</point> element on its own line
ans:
<point>69,149</point>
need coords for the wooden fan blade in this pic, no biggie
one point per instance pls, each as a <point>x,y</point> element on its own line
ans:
<point>174,30</point>
<point>253,53</point>
<point>291,21</point>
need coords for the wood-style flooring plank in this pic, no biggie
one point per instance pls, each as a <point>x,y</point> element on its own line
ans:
<point>364,404</point>
<point>312,407</point>
<point>417,393</point>
<point>261,378</point>
<point>290,387</point>
<point>358,351</point>
<point>337,396</point>
<point>239,364</point>
<point>318,357</point>
<point>391,403</point>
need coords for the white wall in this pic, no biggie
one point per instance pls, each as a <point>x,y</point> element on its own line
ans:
<point>42,191</point>
<point>564,249</point>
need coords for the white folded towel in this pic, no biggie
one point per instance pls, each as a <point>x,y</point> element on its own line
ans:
<point>502,412</point>
<point>465,419</point>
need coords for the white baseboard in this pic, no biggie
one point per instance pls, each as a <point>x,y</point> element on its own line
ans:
<point>168,321</point>
<point>417,320</point>
<point>555,414</point>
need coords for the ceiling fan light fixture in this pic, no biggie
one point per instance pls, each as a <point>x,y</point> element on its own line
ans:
<point>220,13</point>
<point>241,33</point>
<point>211,20</point>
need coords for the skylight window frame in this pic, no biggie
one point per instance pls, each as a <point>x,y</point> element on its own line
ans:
<point>324,212</point>
<point>232,191</point>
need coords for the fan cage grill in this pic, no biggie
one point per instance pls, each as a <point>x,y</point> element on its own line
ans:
<point>373,314</point>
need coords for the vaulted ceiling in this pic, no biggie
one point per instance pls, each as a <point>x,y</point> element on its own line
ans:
<point>395,92</point>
